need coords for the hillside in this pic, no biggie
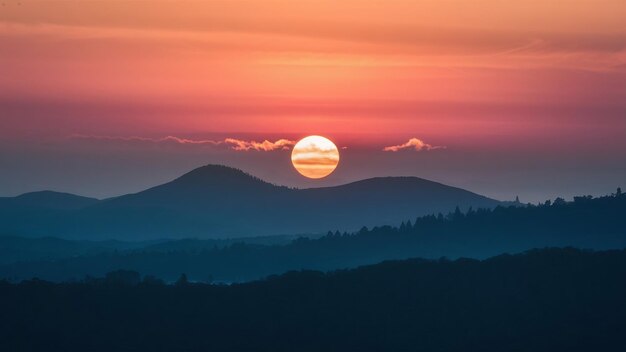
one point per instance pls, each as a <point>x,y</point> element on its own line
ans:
<point>547,300</point>
<point>583,223</point>
<point>48,200</point>
<point>220,202</point>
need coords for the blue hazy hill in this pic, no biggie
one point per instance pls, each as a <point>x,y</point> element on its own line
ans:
<point>216,201</point>
<point>591,223</point>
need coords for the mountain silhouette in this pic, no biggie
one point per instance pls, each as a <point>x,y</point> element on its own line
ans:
<point>216,201</point>
<point>49,200</point>
<point>211,186</point>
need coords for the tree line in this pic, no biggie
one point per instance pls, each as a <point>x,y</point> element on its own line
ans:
<point>541,300</point>
<point>585,222</point>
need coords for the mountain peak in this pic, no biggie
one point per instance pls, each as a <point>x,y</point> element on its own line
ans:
<point>54,200</point>
<point>214,201</point>
<point>213,169</point>
<point>217,175</point>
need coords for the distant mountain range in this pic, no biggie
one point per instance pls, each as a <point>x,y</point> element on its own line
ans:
<point>216,201</point>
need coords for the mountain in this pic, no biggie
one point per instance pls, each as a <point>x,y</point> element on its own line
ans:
<point>39,213</point>
<point>216,201</point>
<point>48,200</point>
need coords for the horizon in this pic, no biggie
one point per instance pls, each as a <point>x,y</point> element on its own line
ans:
<point>103,98</point>
<point>302,188</point>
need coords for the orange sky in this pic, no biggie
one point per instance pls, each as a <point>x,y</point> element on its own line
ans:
<point>301,66</point>
<point>475,75</point>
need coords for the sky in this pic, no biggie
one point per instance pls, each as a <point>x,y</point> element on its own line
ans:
<point>504,98</point>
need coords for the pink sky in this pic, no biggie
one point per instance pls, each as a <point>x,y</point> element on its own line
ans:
<point>532,79</point>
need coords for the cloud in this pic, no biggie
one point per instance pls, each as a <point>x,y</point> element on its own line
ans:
<point>266,146</point>
<point>168,139</point>
<point>413,143</point>
<point>232,143</point>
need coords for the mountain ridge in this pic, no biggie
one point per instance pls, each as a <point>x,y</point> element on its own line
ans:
<point>219,201</point>
<point>51,199</point>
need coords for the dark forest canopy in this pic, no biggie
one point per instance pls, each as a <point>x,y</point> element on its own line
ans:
<point>542,300</point>
<point>596,223</point>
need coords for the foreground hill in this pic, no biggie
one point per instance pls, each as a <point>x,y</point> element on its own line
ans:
<point>548,300</point>
<point>585,223</point>
<point>219,202</point>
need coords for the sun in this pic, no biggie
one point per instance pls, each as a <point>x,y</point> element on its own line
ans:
<point>315,156</point>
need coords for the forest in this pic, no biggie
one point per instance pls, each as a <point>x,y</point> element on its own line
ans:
<point>540,300</point>
<point>585,222</point>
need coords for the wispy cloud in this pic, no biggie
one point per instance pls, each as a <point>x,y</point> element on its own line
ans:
<point>413,143</point>
<point>167,139</point>
<point>266,146</point>
<point>232,143</point>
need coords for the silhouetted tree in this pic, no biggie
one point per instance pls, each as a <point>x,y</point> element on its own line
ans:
<point>182,280</point>
<point>122,277</point>
<point>458,215</point>
<point>152,280</point>
<point>582,199</point>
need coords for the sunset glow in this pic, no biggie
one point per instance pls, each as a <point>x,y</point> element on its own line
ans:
<point>455,90</point>
<point>228,175</point>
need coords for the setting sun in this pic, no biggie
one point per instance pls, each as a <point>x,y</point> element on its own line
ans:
<point>315,157</point>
